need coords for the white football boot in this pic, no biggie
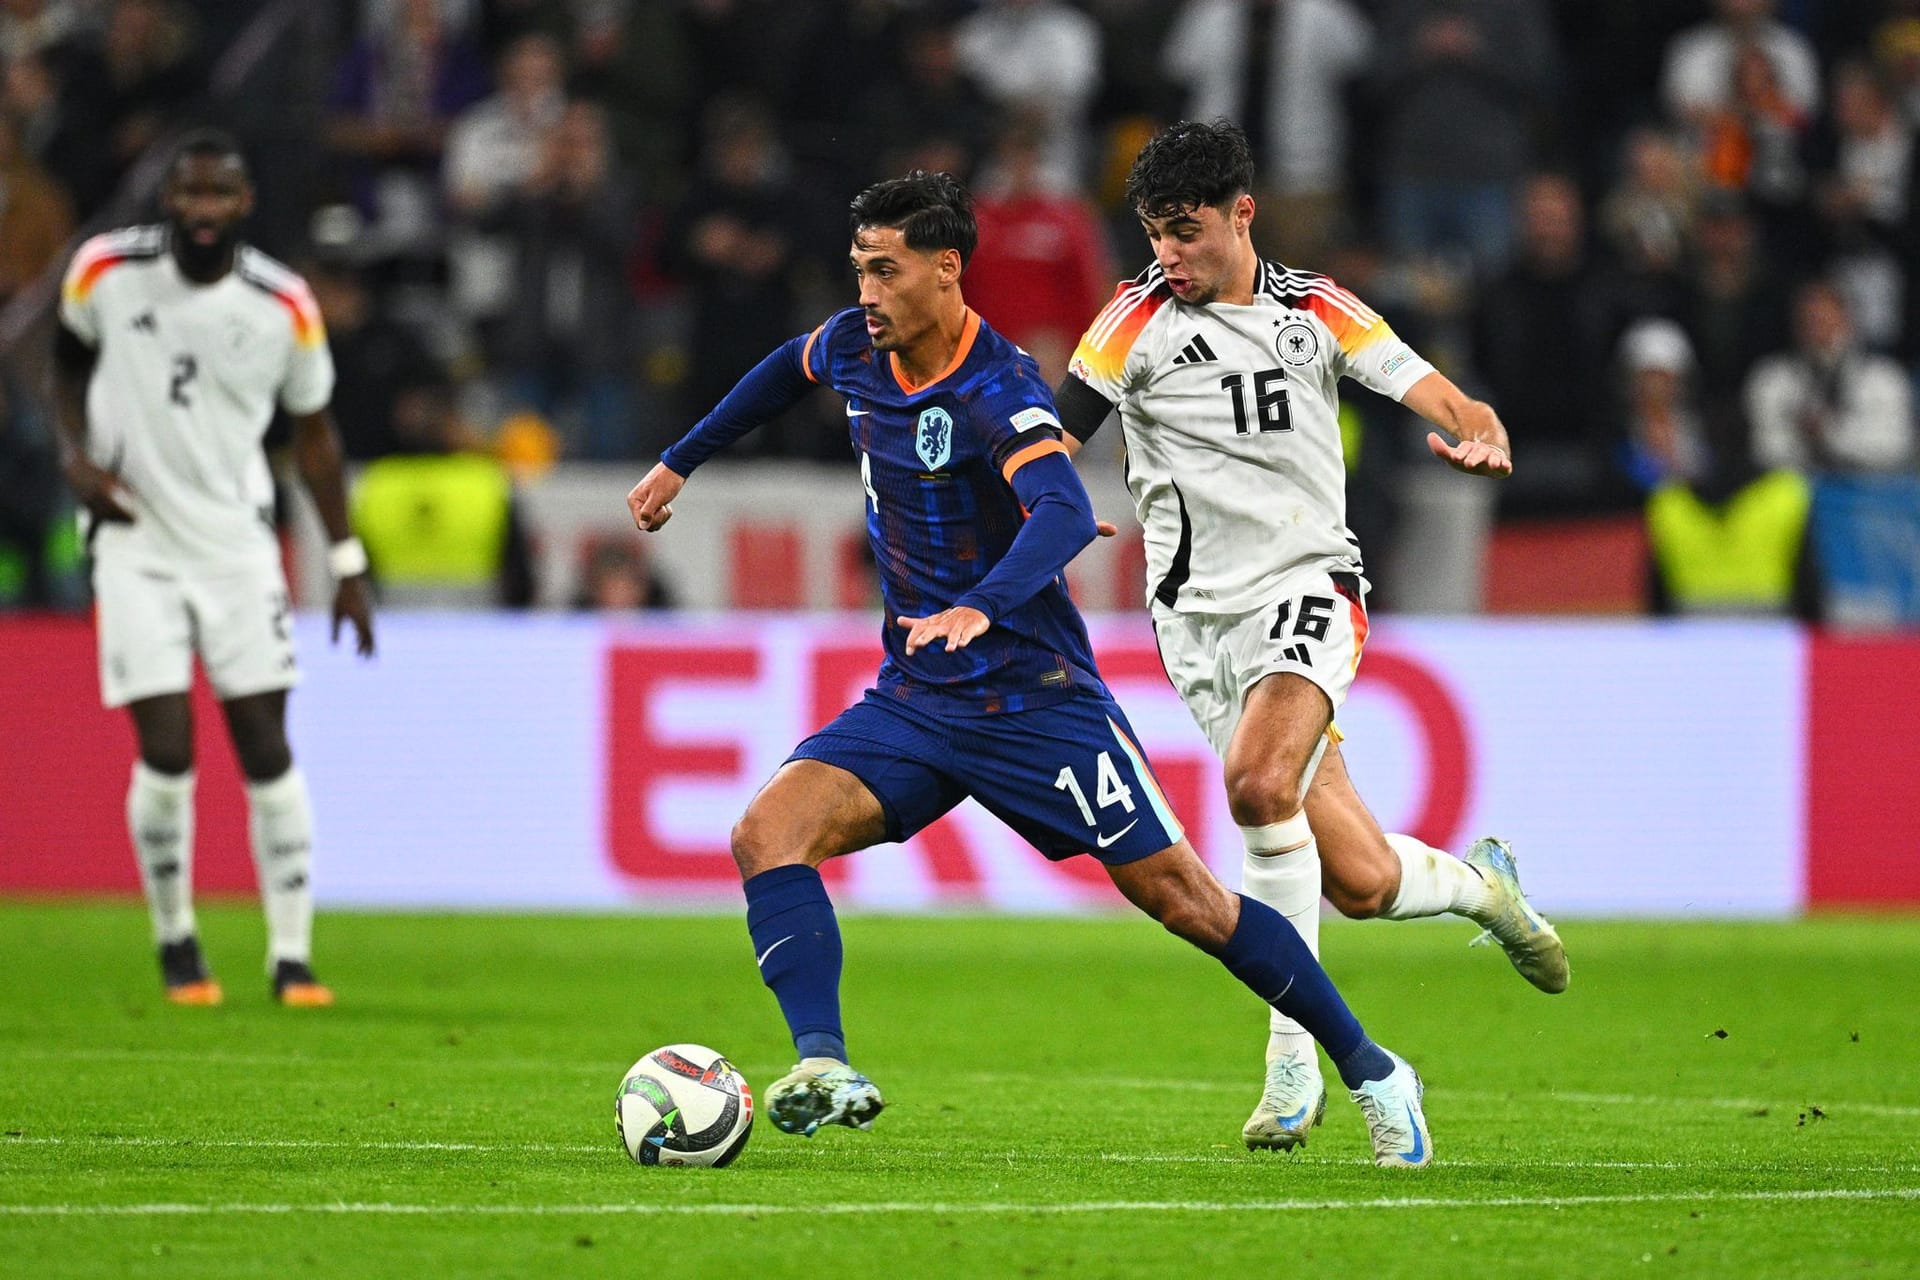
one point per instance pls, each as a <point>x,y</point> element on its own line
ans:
<point>822,1091</point>
<point>1292,1103</point>
<point>1530,942</point>
<point>1395,1122</point>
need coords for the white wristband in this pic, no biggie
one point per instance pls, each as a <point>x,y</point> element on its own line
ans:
<point>347,558</point>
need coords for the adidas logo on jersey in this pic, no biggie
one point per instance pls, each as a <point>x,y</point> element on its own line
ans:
<point>1195,352</point>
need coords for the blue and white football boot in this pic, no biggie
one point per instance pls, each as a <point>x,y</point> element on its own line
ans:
<point>1530,942</point>
<point>1292,1103</point>
<point>822,1091</point>
<point>1395,1122</point>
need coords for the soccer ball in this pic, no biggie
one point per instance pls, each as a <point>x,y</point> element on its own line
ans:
<point>684,1104</point>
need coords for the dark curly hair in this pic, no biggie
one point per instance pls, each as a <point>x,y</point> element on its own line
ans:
<point>1189,164</point>
<point>933,211</point>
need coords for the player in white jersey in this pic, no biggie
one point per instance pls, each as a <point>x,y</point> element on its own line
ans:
<point>1224,370</point>
<point>176,344</point>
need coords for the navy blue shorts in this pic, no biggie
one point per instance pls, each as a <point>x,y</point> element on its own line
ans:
<point>1068,777</point>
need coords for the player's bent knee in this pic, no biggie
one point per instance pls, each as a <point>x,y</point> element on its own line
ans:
<point>172,759</point>
<point>1261,796</point>
<point>264,761</point>
<point>1362,900</point>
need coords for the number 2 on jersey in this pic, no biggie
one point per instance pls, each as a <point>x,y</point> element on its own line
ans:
<point>185,370</point>
<point>1108,788</point>
<point>1269,400</point>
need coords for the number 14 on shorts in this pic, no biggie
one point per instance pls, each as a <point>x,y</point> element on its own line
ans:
<point>1109,788</point>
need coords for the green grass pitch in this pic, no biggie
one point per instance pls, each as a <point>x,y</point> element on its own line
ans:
<point>1066,1098</point>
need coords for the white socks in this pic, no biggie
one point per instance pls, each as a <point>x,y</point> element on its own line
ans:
<point>1282,869</point>
<point>1433,882</point>
<point>281,823</point>
<point>160,820</point>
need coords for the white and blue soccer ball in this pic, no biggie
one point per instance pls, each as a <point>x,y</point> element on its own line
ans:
<point>684,1104</point>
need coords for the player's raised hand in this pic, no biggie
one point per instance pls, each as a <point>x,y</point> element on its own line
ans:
<point>650,500</point>
<point>959,627</point>
<point>351,603</point>
<point>98,490</point>
<point>1475,457</point>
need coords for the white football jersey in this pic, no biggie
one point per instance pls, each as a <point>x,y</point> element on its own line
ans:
<point>185,386</point>
<point>1231,416</point>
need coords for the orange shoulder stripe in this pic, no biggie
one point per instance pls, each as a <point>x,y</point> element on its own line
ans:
<point>806,353</point>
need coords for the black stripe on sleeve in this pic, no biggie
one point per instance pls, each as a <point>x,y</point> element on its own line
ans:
<point>1082,409</point>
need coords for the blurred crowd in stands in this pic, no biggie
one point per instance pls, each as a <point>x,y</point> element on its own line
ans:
<point>1672,241</point>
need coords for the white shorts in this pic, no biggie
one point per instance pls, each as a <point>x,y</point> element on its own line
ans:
<point>1314,628</point>
<point>153,621</point>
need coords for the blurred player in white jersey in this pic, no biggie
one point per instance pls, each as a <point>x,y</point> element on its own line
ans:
<point>176,343</point>
<point>1224,369</point>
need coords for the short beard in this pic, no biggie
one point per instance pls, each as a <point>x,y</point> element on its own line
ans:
<point>203,260</point>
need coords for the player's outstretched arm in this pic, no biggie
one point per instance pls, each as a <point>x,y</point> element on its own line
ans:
<point>96,488</point>
<point>770,388</point>
<point>1483,448</point>
<point>317,455</point>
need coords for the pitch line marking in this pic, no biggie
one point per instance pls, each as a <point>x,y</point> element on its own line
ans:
<point>983,1077</point>
<point>1002,1157</point>
<point>1555,1095</point>
<point>296,1144</point>
<point>952,1208</point>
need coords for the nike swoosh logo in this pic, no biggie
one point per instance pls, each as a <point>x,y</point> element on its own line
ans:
<point>1419,1151</point>
<point>1296,1117</point>
<point>857,413</point>
<point>762,961</point>
<point>1104,841</point>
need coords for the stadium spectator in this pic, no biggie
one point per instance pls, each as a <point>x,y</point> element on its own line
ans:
<point>617,578</point>
<point>1753,146</point>
<point>734,49</point>
<point>145,67</point>
<point>35,215</point>
<point>565,346</point>
<point>634,61</point>
<point>1461,85</point>
<point>1829,405</point>
<point>1665,438</point>
<point>930,96</point>
<point>439,517</point>
<point>1734,305</point>
<point>1699,78</point>
<point>1860,199</point>
<point>395,93</point>
<point>1280,70</point>
<point>495,149</point>
<point>1539,342</point>
<point>1723,536</point>
<point>1041,268</point>
<point>1647,218</point>
<point>733,246</point>
<point>1039,56</point>
<point>376,359</point>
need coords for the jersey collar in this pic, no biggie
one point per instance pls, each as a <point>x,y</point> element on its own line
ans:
<point>968,332</point>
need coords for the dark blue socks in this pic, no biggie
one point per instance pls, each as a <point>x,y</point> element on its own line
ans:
<point>1269,955</point>
<point>796,940</point>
